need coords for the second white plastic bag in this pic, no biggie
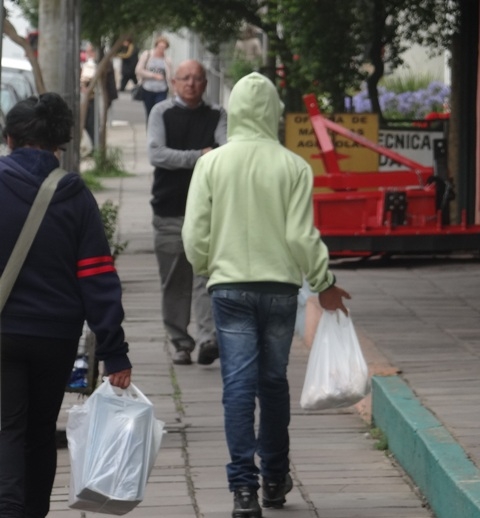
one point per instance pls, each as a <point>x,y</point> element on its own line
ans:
<point>337,374</point>
<point>113,440</point>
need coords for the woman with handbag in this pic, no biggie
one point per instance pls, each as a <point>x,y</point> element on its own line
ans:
<point>67,277</point>
<point>154,72</point>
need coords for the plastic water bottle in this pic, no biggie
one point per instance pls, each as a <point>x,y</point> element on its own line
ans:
<point>78,377</point>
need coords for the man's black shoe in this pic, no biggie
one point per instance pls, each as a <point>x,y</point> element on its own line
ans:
<point>208,353</point>
<point>182,357</point>
<point>274,492</point>
<point>245,503</point>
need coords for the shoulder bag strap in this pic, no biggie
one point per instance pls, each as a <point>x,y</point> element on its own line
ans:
<point>27,234</point>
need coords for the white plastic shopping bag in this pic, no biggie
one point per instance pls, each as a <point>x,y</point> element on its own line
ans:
<point>113,440</point>
<point>337,374</point>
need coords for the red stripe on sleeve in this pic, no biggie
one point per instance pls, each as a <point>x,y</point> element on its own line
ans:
<point>95,260</point>
<point>95,271</point>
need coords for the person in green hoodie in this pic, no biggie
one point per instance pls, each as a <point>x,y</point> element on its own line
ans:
<point>249,228</point>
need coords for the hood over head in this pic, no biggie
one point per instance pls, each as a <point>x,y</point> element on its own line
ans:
<point>254,109</point>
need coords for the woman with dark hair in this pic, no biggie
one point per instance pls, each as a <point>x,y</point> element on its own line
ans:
<point>129,56</point>
<point>68,277</point>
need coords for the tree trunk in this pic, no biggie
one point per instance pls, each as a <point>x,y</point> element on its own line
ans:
<point>49,44</point>
<point>98,78</point>
<point>11,32</point>
<point>372,81</point>
<point>269,69</point>
<point>292,96</point>
<point>376,56</point>
<point>102,137</point>
<point>453,143</point>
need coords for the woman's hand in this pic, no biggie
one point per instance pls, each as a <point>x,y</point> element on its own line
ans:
<point>121,379</point>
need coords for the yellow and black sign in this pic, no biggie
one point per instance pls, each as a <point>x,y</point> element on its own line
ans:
<point>352,157</point>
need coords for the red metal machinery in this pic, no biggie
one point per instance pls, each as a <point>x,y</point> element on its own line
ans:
<point>372,213</point>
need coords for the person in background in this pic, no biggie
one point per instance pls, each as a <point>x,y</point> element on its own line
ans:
<point>249,229</point>
<point>111,91</point>
<point>87,73</point>
<point>180,130</point>
<point>248,47</point>
<point>67,278</point>
<point>154,71</point>
<point>129,56</point>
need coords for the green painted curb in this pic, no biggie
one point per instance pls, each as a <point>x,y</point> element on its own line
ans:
<point>426,450</point>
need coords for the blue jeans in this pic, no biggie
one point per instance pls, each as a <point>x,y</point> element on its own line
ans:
<point>254,333</point>
<point>150,99</point>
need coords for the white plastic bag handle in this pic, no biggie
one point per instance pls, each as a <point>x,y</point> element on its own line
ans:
<point>131,392</point>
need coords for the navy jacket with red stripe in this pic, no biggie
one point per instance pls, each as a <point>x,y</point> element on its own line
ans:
<point>68,276</point>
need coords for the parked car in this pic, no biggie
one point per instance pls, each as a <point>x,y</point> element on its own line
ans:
<point>18,73</point>
<point>9,96</point>
<point>17,83</point>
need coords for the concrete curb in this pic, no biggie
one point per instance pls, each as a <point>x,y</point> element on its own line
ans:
<point>425,449</point>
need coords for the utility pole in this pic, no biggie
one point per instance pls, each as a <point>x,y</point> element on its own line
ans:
<point>70,76</point>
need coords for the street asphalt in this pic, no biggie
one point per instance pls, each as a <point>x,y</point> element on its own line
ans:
<point>418,319</point>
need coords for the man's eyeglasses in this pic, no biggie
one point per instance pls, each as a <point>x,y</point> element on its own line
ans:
<point>186,79</point>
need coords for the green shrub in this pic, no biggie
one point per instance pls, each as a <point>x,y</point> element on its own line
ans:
<point>109,213</point>
<point>401,83</point>
<point>108,163</point>
<point>92,181</point>
<point>240,68</point>
<point>382,440</point>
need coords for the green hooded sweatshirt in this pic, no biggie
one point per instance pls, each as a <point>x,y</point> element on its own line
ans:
<point>249,215</point>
